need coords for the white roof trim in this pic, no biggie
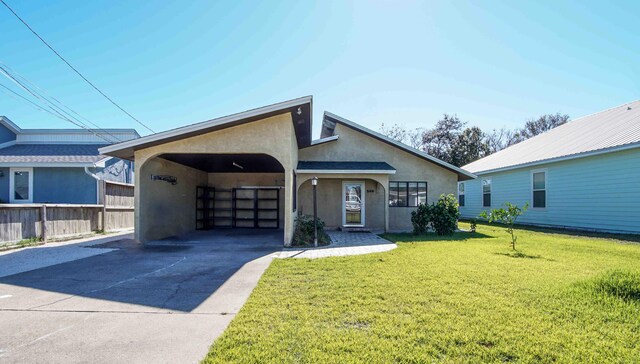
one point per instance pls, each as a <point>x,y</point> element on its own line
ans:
<point>345,171</point>
<point>324,140</point>
<point>206,124</point>
<point>562,158</point>
<point>8,144</point>
<point>400,145</point>
<point>101,162</point>
<point>54,164</point>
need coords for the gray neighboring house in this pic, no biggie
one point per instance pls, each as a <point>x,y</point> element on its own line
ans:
<point>584,174</point>
<point>58,165</point>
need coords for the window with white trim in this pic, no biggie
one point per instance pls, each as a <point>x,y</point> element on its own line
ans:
<point>461,194</point>
<point>539,189</point>
<point>21,185</point>
<point>486,192</point>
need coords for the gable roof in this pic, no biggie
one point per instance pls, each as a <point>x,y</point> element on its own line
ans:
<point>607,131</point>
<point>35,154</point>
<point>301,109</point>
<point>10,124</point>
<point>327,131</point>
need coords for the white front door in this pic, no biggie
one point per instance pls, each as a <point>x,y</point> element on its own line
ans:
<point>21,185</point>
<point>353,203</point>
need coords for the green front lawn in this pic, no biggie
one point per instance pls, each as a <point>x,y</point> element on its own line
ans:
<point>465,298</point>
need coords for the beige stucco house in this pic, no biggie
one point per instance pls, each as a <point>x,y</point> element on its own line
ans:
<point>254,170</point>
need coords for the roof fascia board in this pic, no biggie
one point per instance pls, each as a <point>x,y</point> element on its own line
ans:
<point>7,144</point>
<point>618,148</point>
<point>78,131</point>
<point>322,141</point>
<point>397,144</point>
<point>102,162</point>
<point>36,164</point>
<point>345,171</point>
<point>206,124</point>
<point>58,142</point>
<point>10,125</point>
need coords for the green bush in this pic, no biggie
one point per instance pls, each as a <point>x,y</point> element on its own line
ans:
<point>303,234</point>
<point>420,219</point>
<point>445,214</point>
<point>442,215</point>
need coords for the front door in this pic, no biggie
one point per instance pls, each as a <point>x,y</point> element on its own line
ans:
<point>353,203</point>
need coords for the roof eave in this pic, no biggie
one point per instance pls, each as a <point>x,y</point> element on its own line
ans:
<point>345,171</point>
<point>10,125</point>
<point>126,149</point>
<point>560,159</point>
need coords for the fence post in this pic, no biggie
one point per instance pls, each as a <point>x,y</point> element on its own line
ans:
<point>104,206</point>
<point>43,222</point>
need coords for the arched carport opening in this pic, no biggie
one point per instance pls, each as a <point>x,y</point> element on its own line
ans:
<point>333,199</point>
<point>184,192</point>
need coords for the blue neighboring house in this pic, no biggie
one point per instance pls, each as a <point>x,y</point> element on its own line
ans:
<point>584,174</point>
<point>58,165</point>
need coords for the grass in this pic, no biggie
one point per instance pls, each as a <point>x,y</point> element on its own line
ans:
<point>464,298</point>
<point>21,244</point>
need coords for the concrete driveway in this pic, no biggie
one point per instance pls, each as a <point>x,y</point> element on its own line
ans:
<point>164,302</point>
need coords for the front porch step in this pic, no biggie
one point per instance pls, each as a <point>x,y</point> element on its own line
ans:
<point>355,229</point>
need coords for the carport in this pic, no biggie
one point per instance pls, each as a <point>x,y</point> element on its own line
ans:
<point>232,172</point>
<point>234,190</point>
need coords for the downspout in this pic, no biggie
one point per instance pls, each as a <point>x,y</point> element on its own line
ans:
<point>94,176</point>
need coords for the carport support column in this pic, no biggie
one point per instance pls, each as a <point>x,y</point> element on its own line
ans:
<point>386,207</point>
<point>289,214</point>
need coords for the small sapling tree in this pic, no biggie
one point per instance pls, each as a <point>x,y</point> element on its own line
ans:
<point>506,215</point>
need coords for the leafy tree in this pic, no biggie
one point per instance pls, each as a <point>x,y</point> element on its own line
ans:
<point>440,141</point>
<point>544,123</point>
<point>453,142</point>
<point>470,146</point>
<point>506,215</point>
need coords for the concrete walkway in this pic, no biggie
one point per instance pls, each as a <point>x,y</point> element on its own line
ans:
<point>342,244</point>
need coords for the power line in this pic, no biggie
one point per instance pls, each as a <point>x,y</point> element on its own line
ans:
<point>54,113</point>
<point>14,75</point>
<point>73,68</point>
<point>57,113</point>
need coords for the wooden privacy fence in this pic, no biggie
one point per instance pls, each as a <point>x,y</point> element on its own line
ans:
<point>56,221</point>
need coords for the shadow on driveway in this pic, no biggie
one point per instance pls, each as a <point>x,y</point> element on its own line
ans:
<point>173,274</point>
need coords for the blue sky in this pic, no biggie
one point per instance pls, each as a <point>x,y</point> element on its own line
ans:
<point>172,63</point>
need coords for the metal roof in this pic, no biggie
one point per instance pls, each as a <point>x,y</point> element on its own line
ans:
<point>607,131</point>
<point>360,166</point>
<point>51,153</point>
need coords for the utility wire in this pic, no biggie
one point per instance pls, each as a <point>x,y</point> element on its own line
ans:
<point>73,68</point>
<point>34,94</point>
<point>39,108</point>
<point>63,106</point>
<point>53,107</point>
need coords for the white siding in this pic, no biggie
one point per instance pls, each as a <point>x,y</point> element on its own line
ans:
<point>600,192</point>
